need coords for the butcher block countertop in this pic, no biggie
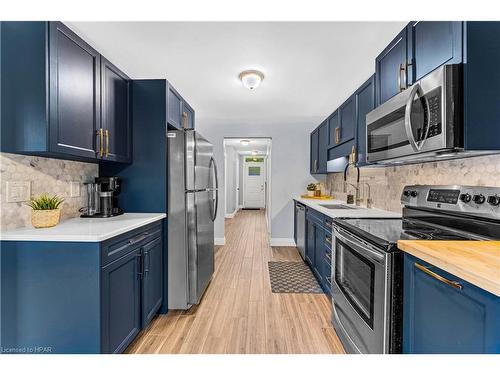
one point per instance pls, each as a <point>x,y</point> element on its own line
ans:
<point>477,262</point>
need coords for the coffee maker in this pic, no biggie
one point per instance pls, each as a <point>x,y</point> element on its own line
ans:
<point>102,198</point>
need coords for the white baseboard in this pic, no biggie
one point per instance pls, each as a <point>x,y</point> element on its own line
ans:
<point>231,215</point>
<point>240,206</point>
<point>220,241</point>
<point>282,242</point>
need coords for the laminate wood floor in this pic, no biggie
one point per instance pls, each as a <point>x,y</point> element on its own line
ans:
<point>239,313</point>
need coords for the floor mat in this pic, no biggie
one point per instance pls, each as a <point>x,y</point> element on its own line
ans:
<point>292,277</point>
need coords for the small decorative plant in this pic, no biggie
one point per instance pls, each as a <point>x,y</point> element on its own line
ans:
<point>46,212</point>
<point>311,187</point>
<point>44,202</point>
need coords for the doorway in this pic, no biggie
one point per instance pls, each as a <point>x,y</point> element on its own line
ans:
<point>247,176</point>
<point>254,182</point>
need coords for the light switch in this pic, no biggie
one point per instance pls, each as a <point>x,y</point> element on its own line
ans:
<point>74,189</point>
<point>18,191</point>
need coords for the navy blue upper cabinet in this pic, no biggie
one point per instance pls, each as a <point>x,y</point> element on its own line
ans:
<point>115,110</point>
<point>174,108</point>
<point>59,95</point>
<point>365,102</point>
<point>187,116</point>
<point>322,147</point>
<point>74,93</point>
<point>441,318</point>
<point>180,115</point>
<point>432,44</point>
<point>347,114</point>
<point>333,128</point>
<point>313,159</point>
<point>390,69</point>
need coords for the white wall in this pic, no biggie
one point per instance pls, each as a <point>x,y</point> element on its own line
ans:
<point>231,176</point>
<point>289,164</point>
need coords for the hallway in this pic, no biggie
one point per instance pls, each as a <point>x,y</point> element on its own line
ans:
<point>239,313</point>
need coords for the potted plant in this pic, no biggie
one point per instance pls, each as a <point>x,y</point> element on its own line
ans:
<point>311,189</point>
<point>45,210</point>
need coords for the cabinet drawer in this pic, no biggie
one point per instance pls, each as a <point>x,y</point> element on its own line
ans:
<point>121,245</point>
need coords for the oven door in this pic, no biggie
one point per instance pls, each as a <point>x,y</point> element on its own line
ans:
<point>360,288</point>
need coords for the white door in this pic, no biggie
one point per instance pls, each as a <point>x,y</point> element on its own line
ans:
<point>254,182</point>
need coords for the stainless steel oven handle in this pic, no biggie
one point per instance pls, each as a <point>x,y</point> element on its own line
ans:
<point>409,133</point>
<point>367,249</point>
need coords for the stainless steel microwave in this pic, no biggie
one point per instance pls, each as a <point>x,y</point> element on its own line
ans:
<point>420,123</point>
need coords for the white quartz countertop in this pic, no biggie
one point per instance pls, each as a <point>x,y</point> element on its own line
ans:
<point>357,212</point>
<point>83,229</point>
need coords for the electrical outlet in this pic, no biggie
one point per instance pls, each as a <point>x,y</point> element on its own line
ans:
<point>74,189</point>
<point>18,191</point>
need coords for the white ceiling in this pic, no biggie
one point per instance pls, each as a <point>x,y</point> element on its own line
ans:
<point>256,144</point>
<point>309,67</point>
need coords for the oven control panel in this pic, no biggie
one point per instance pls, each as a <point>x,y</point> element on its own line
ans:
<point>443,196</point>
<point>474,200</point>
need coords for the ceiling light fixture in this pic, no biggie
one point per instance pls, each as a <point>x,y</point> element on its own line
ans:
<point>245,142</point>
<point>251,79</point>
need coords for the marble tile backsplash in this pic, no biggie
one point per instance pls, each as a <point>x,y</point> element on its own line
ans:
<point>386,184</point>
<point>52,176</point>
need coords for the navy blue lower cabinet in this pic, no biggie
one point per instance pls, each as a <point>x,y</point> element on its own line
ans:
<point>319,253</point>
<point>152,280</point>
<point>442,318</point>
<point>318,249</point>
<point>121,302</point>
<point>80,297</point>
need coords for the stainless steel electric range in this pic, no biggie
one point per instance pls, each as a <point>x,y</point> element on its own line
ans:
<point>367,272</point>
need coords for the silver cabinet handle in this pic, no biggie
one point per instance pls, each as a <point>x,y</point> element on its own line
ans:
<point>453,284</point>
<point>402,68</point>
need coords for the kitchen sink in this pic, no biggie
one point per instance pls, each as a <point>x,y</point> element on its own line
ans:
<point>337,207</point>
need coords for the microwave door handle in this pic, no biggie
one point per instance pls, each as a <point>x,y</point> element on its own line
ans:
<point>408,127</point>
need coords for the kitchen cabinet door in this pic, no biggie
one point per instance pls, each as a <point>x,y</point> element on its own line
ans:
<point>432,44</point>
<point>319,253</point>
<point>310,242</point>
<point>390,67</point>
<point>314,166</point>
<point>333,125</point>
<point>365,99</point>
<point>121,302</point>
<point>322,147</point>
<point>174,108</point>
<point>347,116</point>
<point>115,109</point>
<point>440,318</point>
<point>187,116</point>
<point>152,280</point>
<point>74,105</point>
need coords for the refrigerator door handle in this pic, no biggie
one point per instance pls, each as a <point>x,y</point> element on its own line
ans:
<point>216,204</point>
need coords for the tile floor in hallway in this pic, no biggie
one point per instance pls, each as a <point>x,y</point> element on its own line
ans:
<point>239,313</point>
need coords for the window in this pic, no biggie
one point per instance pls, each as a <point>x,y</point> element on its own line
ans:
<point>254,171</point>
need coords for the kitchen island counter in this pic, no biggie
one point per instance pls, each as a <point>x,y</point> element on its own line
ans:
<point>477,262</point>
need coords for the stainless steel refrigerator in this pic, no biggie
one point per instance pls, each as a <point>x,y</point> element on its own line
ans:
<point>192,209</point>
